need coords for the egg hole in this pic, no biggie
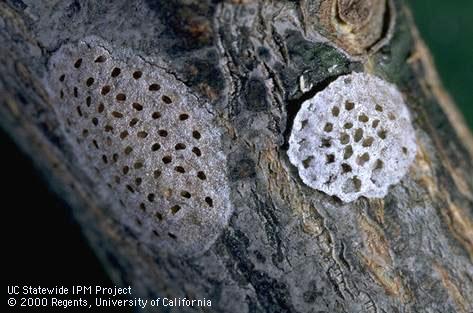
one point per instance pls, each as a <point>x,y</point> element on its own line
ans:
<point>356,183</point>
<point>382,134</point>
<point>130,188</point>
<point>143,207</point>
<point>79,111</point>
<point>348,125</point>
<point>137,106</point>
<point>172,235</point>
<point>156,115</point>
<point>62,77</point>
<point>125,170</point>
<point>167,159</point>
<point>379,164</point>
<point>179,169</point>
<point>155,147</point>
<point>348,152</point>
<point>391,116</point>
<point>117,114</point>
<point>304,123</point>
<point>138,181</point>
<point>142,134</point>
<point>100,59</point>
<point>120,97</point>
<point>89,81</point>
<point>326,143</point>
<point>151,197</point>
<point>76,92</point>
<point>88,101</point>
<point>196,151</point>
<point>209,201</point>
<point>306,162</point>
<point>358,134</point>
<point>162,133</point>
<point>115,72</point>
<point>363,118</point>
<point>368,142</point>
<point>180,146</point>
<point>328,127</point>
<point>105,90</point>
<point>85,132</point>
<point>201,175</point>
<point>185,194</point>
<point>352,185</point>
<point>362,159</point>
<point>137,74</point>
<point>346,168</point>
<point>123,134</point>
<point>128,150</point>
<point>378,108</point>
<point>330,158</point>
<point>183,117</point>
<point>137,165</point>
<point>166,99</point>
<point>159,216</point>
<point>196,135</point>
<point>349,105</point>
<point>96,145</point>
<point>108,128</point>
<point>77,63</point>
<point>156,173</point>
<point>133,122</point>
<point>100,108</point>
<point>404,150</point>
<point>375,123</point>
<point>344,138</point>
<point>115,157</point>
<point>95,121</point>
<point>335,111</point>
<point>154,87</point>
<point>174,209</point>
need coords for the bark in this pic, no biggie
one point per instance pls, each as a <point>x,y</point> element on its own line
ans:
<point>286,248</point>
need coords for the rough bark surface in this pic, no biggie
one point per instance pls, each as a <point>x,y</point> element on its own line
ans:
<point>287,247</point>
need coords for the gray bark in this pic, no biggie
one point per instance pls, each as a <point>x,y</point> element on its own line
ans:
<point>286,247</point>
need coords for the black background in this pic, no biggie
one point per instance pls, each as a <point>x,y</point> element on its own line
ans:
<point>42,243</point>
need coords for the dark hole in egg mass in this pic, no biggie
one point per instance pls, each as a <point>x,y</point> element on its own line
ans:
<point>78,63</point>
<point>180,146</point>
<point>154,87</point>
<point>166,99</point>
<point>89,81</point>
<point>100,59</point>
<point>137,106</point>
<point>105,90</point>
<point>116,71</point>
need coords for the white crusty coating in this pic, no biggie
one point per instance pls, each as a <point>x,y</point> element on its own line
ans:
<point>355,138</point>
<point>152,150</point>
